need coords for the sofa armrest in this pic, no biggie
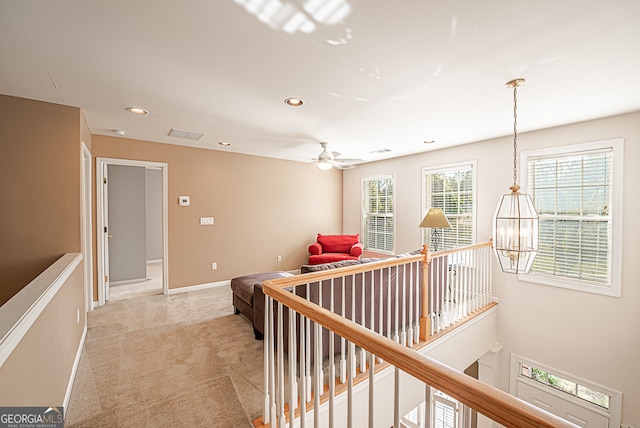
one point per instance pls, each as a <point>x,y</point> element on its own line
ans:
<point>356,249</point>
<point>315,249</point>
<point>258,308</point>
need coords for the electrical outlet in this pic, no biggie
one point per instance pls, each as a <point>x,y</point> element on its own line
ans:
<point>279,258</point>
<point>214,265</point>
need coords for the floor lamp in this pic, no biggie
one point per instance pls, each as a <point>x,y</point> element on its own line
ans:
<point>436,220</point>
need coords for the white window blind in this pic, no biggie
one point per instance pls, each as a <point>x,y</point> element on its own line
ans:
<point>378,207</point>
<point>573,193</point>
<point>452,189</point>
<point>444,412</point>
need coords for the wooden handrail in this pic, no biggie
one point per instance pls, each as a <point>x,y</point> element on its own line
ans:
<point>486,399</point>
<point>460,249</point>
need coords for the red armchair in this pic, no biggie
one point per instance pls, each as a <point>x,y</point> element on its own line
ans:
<point>332,248</point>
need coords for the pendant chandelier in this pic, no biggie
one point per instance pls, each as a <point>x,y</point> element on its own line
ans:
<point>515,223</point>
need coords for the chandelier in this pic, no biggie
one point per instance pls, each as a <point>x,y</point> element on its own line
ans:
<point>515,225</point>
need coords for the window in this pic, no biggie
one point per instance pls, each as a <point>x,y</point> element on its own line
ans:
<point>378,206</point>
<point>451,188</point>
<point>576,191</point>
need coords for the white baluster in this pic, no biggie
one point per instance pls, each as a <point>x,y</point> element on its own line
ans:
<point>403,301</point>
<point>352,359</point>
<point>396,397</point>
<point>268,361</point>
<point>363,353</point>
<point>396,337</point>
<point>410,291</point>
<point>319,341</point>
<point>343,362</point>
<point>307,344</point>
<point>371,390</point>
<point>293,385</point>
<point>282,419</point>
<point>350,375</point>
<point>303,389</point>
<point>332,366</point>
<point>317,381</point>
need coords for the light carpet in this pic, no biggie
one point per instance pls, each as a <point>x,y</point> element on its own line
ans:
<point>168,361</point>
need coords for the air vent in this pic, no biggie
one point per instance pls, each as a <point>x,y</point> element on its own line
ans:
<point>385,150</point>
<point>185,134</point>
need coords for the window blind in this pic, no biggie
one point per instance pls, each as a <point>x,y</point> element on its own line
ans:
<point>572,194</point>
<point>451,190</point>
<point>378,214</point>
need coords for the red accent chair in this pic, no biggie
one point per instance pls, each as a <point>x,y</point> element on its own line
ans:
<point>333,248</point>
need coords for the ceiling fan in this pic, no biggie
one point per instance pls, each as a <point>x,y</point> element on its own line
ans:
<point>326,160</point>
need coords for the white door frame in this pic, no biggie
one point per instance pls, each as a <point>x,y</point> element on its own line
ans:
<point>100,163</point>
<point>85,224</point>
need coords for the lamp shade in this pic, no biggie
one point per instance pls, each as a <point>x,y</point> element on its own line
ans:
<point>435,218</point>
<point>515,232</point>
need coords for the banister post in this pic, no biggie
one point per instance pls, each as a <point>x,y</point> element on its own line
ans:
<point>425,321</point>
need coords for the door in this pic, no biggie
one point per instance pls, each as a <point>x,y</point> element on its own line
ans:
<point>127,225</point>
<point>554,403</point>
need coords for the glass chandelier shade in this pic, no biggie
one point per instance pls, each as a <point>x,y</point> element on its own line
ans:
<point>515,232</point>
<point>515,222</point>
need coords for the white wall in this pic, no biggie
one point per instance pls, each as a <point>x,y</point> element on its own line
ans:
<point>590,336</point>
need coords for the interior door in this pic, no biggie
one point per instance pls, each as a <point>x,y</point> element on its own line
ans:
<point>106,234</point>
<point>555,404</point>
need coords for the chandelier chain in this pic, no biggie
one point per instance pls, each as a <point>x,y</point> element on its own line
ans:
<point>515,134</point>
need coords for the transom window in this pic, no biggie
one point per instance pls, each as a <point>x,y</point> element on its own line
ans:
<point>378,213</point>
<point>451,188</point>
<point>575,191</point>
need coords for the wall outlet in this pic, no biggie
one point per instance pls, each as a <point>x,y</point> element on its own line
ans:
<point>214,265</point>
<point>279,258</point>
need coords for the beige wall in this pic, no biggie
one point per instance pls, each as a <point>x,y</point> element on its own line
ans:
<point>590,336</point>
<point>37,372</point>
<point>39,188</point>
<point>262,208</point>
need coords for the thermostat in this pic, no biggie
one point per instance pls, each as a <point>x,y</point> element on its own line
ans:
<point>184,201</point>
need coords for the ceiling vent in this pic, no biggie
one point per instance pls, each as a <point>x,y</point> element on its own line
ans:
<point>185,134</point>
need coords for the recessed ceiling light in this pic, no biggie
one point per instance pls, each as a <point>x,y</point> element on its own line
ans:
<point>223,143</point>
<point>137,110</point>
<point>293,102</point>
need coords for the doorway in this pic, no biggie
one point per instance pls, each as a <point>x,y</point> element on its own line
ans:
<point>129,264</point>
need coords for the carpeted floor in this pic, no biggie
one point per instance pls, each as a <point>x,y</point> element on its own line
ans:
<point>168,361</point>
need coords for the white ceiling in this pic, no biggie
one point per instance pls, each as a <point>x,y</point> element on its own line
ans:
<point>373,74</point>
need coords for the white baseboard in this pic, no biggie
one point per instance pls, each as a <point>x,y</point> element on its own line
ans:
<point>127,281</point>
<point>74,369</point>
<point>199,287</point>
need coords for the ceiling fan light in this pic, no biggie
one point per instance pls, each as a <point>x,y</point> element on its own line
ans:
<point>324,164</point>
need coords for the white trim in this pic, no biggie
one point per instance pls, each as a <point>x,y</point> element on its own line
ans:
<point>86,226</point>
<point>199,287</point>
<point>100,162</point>
<point>617,163</point>
<point>23,309</point>
<point>74,368</point>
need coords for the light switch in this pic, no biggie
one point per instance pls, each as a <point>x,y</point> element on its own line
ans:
<point>206,221</point>
<point>184,201</point>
